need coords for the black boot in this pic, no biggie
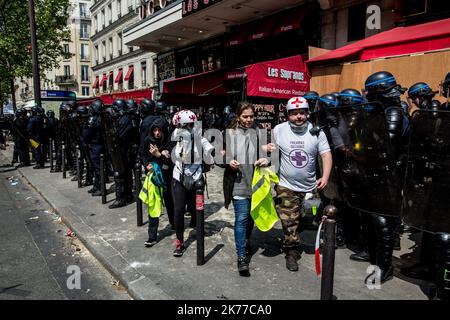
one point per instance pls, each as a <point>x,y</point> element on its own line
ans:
<point>292,257</point>
<point>118,203</point>
<point>419,271</point>
<point>243,267</point>
<point>384,247</point>
<point>362,256</point>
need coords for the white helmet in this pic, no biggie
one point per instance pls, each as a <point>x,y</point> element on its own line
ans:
<point>184,117</point>
<point>296,103</point>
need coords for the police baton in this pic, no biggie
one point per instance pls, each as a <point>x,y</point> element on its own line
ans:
<point>328,254</point>
<point>138,187</point>
<point>63,160</point>
<point>200,215</point>
<point>102,178</point>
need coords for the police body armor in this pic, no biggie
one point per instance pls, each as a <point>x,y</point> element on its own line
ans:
<point>109,125</point>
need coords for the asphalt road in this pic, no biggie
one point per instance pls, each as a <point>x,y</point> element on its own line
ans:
<point>39,258</point>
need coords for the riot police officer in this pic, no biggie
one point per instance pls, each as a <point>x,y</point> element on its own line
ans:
<point>312,97</point>
<point>446,91</point>
<point>83,131</point>
<point>421,95</point>
<point>227,118</point>
<point>53,131</point>
<point>35,128</point>
<point>94,138</point>
<point>21,145</point>
<point>383,87</point>
<point>126,133</point>
<point>211,120</point>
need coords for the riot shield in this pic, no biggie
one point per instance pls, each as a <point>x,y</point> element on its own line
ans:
<point>112,143</point>
<point>365,167</point>
<point>426,200</point>
<point>81,122</point>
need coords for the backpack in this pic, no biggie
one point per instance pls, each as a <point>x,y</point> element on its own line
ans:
<point>157,177</point>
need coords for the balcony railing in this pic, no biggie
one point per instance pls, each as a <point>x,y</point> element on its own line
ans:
<point>66,79</point>
<point>86,79</point>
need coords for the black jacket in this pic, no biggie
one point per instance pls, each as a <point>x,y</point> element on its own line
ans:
<point>165,143</point>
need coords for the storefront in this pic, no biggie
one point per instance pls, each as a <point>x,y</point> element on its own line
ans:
<point>108,99</point>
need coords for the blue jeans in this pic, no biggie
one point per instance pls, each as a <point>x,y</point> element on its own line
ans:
<point>243,224</point>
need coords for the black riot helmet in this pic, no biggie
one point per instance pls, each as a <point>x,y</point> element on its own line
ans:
<point>160,107</point>
<point>21,112</point>
<point>82,111</point>
<point>349,97</point>
<point>312,97</point>
<point>382,86</point>
<point>40,111</point>
<point>435,105</point>
<point>72,104</point>
<point>131,106</point>
<point>420,90</point>
<point>50,113</point>
<point>226,110</point>
<point>211,110</point>
<point>147,107</point>
<point>328,101</point>
<point>119,105</point>
<point>112,112</point>
<point>97,107</point>
<point>34,111</point>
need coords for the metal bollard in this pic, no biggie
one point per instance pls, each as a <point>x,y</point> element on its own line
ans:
<point>63,160</point>
<point>138,187</point>
<point>79,172</point>
<point>102,178</point>
<point>200,210</point>
<point>50,147</point>
<point>326,288</point>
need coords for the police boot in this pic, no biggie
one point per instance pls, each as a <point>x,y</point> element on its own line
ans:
<point>292,258</point>
<point>120,190</point>
<point>384,248</point>
<point>243,267</point>
<point>443,266</point>
<point>425,269</point>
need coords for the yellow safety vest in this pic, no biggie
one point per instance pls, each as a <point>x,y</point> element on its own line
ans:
<point>151,195</point>
<point>262,209</point>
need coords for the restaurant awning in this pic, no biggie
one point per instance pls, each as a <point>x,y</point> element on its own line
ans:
<point>262,28</point>
<point>136,95</point>
<point>278,79</point>
<point>129,73</point>
<point>119,76</point>
<point>202,84</point>
<point>95,84</point>
<point>398,41</point>
<point>103,79</point>
<point>292,19</point>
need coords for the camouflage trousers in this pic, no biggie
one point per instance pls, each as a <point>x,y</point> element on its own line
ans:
<point>288,204</point>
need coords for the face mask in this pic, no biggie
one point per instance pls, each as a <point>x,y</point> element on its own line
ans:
<point>301,129</point>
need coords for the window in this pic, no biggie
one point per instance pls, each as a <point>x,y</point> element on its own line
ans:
<point>119,43</point>
<point>83,10</point>
<point>96,54</point>
<point>119,8</point>
<point>109,14</point>
<point>104,51</point>
<point>110,44</point>
<point>130,49</point>
<point>84,30</point>
<point>357,22</point>
<point>95,23</point>
<point>144,73</point>
<point>84,73</point>
<point>85,91</point>
<point>84,52</point>
<point>66,48</point>
<point>67,71</point>
<point>103,19</point>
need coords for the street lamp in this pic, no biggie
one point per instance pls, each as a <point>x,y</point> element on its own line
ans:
<point>34,55</point>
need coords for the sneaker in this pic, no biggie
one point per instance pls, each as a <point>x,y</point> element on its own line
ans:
<point>149,243</point>
<point>179,249</point>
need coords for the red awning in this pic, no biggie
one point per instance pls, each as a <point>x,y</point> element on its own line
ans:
<point>263,28</point>
<point>129,73</point>
<point>136,95</point>
<point>95,84</point>
<point>292,19</point>
<point>119,76</point>
<point>202,84</point>
<point>398,41</point>
<point>103,79</point>
<point>279,79</point>
<point>239,34</point>
<point>85,102</point>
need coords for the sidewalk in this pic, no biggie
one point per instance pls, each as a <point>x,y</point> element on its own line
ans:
<point>153,273</point>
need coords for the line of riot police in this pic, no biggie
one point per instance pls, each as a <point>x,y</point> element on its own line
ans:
<point>391,167</point>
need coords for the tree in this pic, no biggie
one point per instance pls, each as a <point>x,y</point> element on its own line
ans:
<point>15,38</point>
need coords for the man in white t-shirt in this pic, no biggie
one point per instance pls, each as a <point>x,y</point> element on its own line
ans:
<point>298,153</point>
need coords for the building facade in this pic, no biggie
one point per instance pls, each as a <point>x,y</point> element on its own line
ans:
<point>117,67</point>
<point>74,74</point>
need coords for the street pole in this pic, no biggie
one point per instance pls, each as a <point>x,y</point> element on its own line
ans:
<point>326,292</point>
<point>34,55</point>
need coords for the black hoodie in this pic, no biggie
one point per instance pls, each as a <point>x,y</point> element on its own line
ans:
<point>164,143</point>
